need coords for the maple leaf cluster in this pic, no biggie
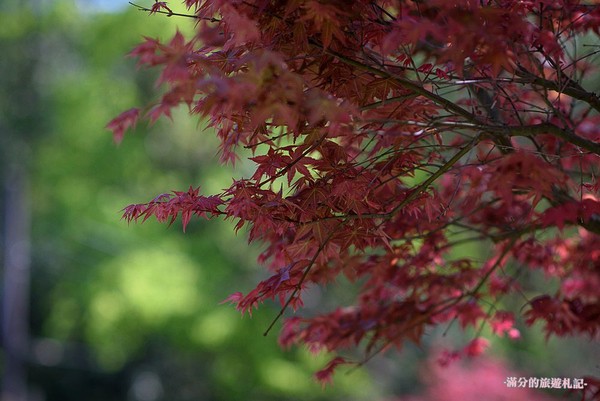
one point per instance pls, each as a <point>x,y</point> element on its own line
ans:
<point>385,135</point>
<point>481,379</point>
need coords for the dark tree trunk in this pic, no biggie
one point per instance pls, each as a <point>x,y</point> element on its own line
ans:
<point>15,291</point>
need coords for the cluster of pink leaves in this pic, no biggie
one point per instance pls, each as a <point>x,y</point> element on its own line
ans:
<point>480,379</point>
<point>385,134</point>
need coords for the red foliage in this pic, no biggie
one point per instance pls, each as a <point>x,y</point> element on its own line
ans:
<point>166,207</point>
<point>374,165</point>
<point>160,6</point>
<point>324,375</point>
<point>483,379</point>
<point>121,123</point>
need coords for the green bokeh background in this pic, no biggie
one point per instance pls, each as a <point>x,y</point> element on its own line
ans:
<point>122,312</point>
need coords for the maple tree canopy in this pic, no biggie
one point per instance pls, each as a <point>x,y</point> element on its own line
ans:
<point>387,133</point>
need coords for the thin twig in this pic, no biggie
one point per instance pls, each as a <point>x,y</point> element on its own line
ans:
<point>173,14</point>
<point>302,279</point>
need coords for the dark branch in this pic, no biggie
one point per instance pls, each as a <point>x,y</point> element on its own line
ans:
<point>171,13</point>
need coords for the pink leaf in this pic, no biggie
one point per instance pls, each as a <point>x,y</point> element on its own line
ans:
<point>122,122</point>
<point>325,375</point>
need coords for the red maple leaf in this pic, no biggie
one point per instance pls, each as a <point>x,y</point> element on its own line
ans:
<point>123,122</point>
<point>159,6</point>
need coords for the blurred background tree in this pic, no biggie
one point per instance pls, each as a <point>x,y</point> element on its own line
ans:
<point>97,310</point>
<point>115,312</point>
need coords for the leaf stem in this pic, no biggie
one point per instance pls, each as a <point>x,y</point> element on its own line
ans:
<point>302,279</point>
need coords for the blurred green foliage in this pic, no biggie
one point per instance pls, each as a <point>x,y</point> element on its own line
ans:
<point>134,312</point>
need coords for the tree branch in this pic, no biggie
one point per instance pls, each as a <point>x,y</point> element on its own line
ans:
<point>171,13</point>
<point>568,87</point>
<point>526,130</point>
<point>548,128</point>
<point>406,83</point>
